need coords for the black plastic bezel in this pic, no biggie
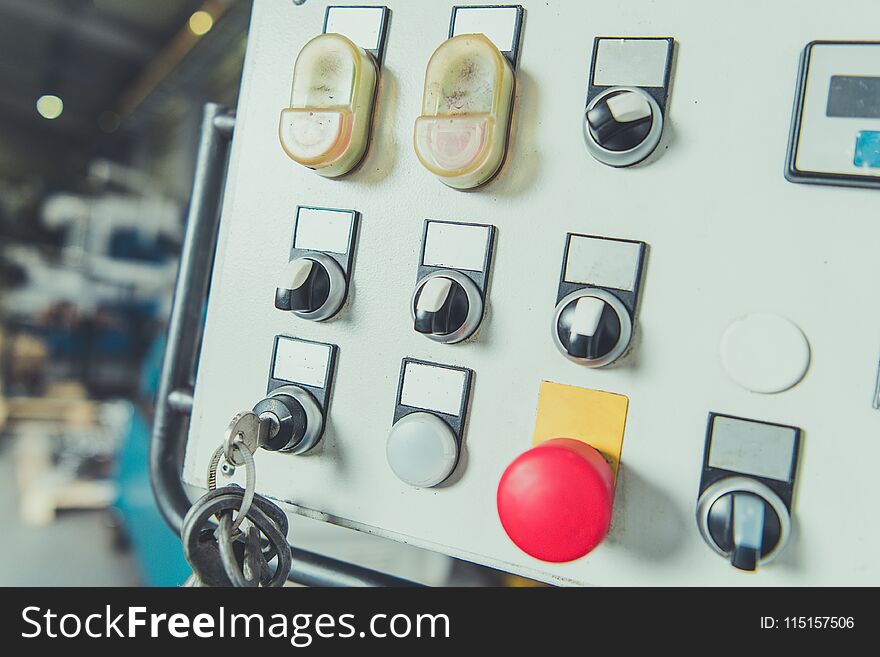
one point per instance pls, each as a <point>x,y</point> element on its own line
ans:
<point>377,53</point>
<point>511,55</point>
<point>792,173</point>
<point>480,278</point>
<point>629,298</point>
<point>321,395</point>
<point>660,94</point>
<point>711,474</point>
<point>456,423</point>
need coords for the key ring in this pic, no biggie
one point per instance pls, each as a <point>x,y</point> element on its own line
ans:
<point>266,517</point>
<point>250,478</point>
<point>255,566</point>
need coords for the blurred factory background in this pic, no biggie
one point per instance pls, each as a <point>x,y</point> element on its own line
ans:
<point>100,107</point>
<point>99,114</point>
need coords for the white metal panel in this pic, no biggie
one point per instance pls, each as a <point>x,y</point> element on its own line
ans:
<point>728,236</point>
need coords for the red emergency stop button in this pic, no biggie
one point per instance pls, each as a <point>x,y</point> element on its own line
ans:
<point>555,500</point>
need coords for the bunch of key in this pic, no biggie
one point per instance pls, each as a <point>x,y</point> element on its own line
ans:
<point>232,536</point>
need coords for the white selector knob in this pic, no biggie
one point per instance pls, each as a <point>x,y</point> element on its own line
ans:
<point>297,272</point>
<point>434,294</point>
<point>587,316</point>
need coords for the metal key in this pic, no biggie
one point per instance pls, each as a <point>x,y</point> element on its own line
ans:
<point>245,434</point>
<point>252,431</point>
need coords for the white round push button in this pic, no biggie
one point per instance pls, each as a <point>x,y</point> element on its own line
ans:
<point>421,450</point>
<point>765,353</point>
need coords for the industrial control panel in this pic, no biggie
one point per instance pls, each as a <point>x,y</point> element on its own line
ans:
<point>581,291</point>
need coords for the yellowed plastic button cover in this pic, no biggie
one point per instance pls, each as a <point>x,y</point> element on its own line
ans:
<point>461,136</point>
<point>327,126</point>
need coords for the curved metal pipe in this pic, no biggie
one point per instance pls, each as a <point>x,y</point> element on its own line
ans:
<point>185,322</point>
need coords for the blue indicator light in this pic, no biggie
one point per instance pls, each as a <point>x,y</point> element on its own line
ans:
<point>867,149</point>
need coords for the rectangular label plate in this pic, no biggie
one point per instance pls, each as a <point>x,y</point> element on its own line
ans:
<point>433,388</point>
<point>302,362</point>
<point>603,262</point>
<point>591,416</point>
<point>458,246</point>
<point>631,62</point>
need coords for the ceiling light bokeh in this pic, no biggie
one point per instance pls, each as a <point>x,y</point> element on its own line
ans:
<point>200,23</point>
<point>49,106</point>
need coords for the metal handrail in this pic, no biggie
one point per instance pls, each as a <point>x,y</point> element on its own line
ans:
<point>177,378</point>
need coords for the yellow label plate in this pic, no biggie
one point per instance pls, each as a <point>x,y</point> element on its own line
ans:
<point>591,416</point>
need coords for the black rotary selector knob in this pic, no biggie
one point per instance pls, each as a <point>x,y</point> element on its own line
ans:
<point>445,311</point>
<point>589,342</point>
<point>743,508</point>
<point>291,421</point>
<point>620,129</point>
<point>592,327</point>
<point>446,306</point>
<point>312,292</point>
<point>623,126</point>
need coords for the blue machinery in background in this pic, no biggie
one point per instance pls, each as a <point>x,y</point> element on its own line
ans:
<point>156,548</point>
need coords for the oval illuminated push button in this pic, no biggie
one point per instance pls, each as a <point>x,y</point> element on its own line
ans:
<point>461,136</point>
<point>327,125</point>
<point>622,126</point>
<point>421,450</point>
<point>555,500</point>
